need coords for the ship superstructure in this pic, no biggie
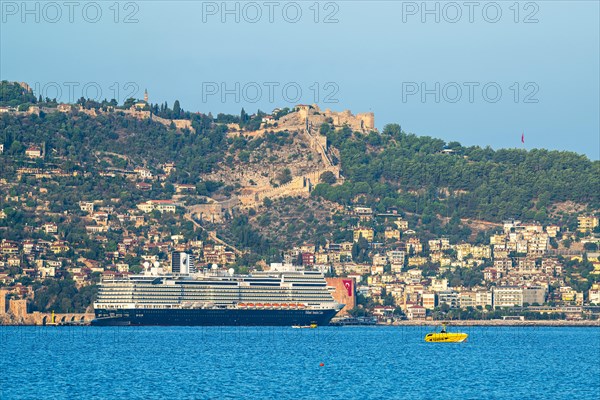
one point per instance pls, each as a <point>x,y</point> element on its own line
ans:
<point>212,298</point>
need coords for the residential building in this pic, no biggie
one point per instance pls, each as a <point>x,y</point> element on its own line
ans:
<point>184,188</point>
<point>586,223</point>
<point>491,274</point>
<point>364,213</point>
<point>417,261</point>
<point>101,218</point>
<point>594,294</point>
<point>59,247</point>
<point>383,312</point>
<point>415,312</point>
<point>467,299</point>
<point>552,230</point>
<point>143,173</point>
<point>450,297</point>
<point>401,224</point>
<point>439,284</point>
<point>159,205</point>
<point>33,152</point>
<point>380,259</point>
<point>429,300</point>
<point>415,244</point>
<point>87,206</point>
<point>367,234</point>
<point>508,296</point>
<point>503,264</point>
<point>50,228</point>
<point>308,259</point>
<point>143,186</point>
<point>483,298</point>
<point>396,258</point>
<point>534,295</point>
<point>391,234</point>
<point>9,247</point>
<point>268,120</point>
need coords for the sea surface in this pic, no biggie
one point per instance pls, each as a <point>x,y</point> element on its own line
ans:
<point>287,363</point>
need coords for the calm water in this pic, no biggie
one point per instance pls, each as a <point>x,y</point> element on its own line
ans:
<point>283,363</point>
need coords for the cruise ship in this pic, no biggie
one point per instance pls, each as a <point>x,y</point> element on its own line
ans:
<point>270,298</point>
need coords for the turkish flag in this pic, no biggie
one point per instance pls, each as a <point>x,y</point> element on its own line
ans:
<point>348,285</point>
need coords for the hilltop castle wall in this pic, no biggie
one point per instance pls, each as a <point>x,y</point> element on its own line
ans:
<point>298,186</point>
<point>313,115</point>
<point>141,114</point>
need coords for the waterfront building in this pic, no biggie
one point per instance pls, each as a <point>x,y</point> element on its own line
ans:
<point>534,295</point>
<point>449,297</point>
<point>508,296</point>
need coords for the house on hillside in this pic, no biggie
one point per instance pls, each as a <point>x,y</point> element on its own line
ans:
<point>33,152</point>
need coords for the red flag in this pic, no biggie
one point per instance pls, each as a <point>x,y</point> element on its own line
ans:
<point>523,137</point>
<point>348,285</point>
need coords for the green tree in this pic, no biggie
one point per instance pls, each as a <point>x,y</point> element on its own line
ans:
<point>328,177</point>
<point>284,176</point>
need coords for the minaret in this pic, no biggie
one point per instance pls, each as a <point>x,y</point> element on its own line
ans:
<point>146,95</point>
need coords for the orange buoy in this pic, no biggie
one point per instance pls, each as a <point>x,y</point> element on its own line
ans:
<point>322,365</point>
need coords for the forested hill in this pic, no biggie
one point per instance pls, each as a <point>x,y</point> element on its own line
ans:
<point>419,175</point>
<point>79,139</point>
<point>427,176</point>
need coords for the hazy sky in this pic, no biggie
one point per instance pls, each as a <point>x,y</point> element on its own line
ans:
<point>473,71</point>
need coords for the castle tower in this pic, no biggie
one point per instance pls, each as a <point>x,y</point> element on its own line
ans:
<point>146,95</point>
<point>18,308</point>
<point>3,301</point>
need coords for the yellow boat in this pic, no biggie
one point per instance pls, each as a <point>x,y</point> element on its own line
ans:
<point>445,337</point>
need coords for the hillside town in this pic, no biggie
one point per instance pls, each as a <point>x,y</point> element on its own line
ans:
<point>396,275</point>
<point>275,189</point>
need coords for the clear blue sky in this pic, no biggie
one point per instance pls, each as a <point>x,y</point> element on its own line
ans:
<point>372,56</point>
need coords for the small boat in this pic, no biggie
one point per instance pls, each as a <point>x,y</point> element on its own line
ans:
<point>445,337</point>
<point>311,326</point>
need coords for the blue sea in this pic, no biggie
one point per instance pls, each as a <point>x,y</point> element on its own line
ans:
<point>287,363</point>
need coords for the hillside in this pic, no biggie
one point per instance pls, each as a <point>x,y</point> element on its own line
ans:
<point>96,187</point>
<point>430,177</point>
<point>420,176</point>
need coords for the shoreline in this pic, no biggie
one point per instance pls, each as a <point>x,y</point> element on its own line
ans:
<point>495,322</point>
<point>487,323</point>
